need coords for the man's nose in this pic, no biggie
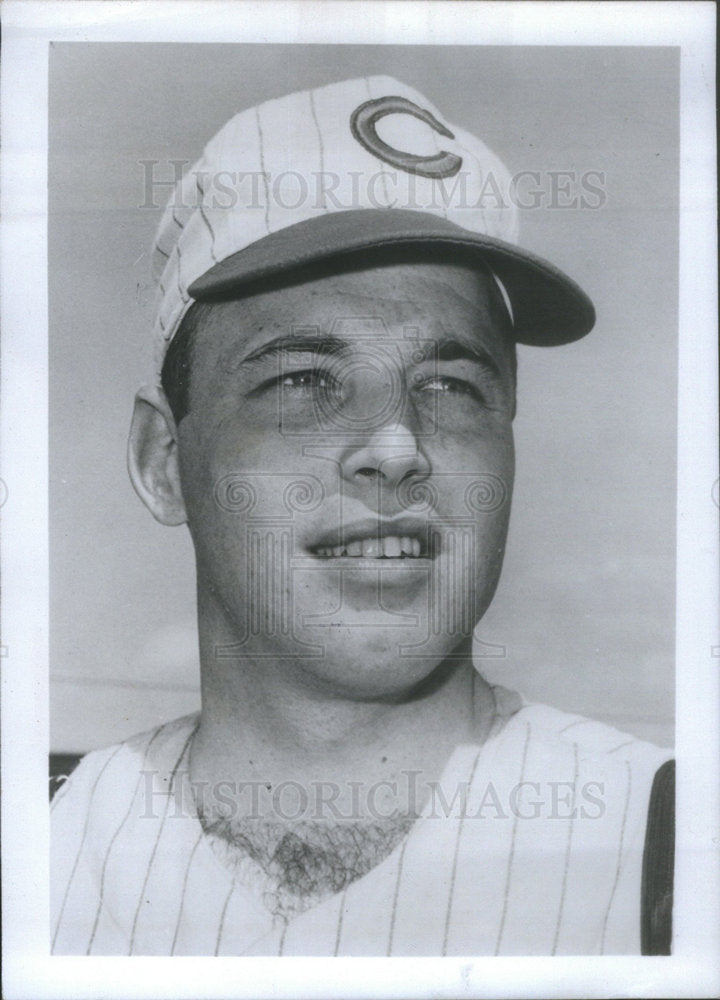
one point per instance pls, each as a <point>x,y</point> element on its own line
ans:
<point>388,456</point>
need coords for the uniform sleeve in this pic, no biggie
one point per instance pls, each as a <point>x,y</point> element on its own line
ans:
<point>627,894</point>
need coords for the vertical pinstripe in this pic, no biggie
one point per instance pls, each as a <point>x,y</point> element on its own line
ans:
<point>82,844</point>
<point>157,840</point>
<point>396,894</point>
<point>114,837</point>
<point>281,946</point>
<point>262,170</point>
<point>205,219</point>
<point>382,168</point>
<point>184,890</point>
<point>313,112</point>
<point>221,925</point>
<point>179,282</point>
<point>338,934</point>
<point>461,826</point>
<point>568,848</point>
<point>506,893</point>
<point>620,854</point>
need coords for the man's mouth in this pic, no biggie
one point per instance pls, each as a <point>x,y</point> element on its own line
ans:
<point>401,538</point>
<point>390,547</point>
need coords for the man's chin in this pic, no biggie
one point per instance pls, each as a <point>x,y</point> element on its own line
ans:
<point>382,682</point>
<point>382,661</point>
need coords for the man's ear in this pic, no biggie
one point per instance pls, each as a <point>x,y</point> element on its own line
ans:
<point>153,461</point>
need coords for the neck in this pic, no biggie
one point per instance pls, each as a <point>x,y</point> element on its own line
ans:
<point>264,720</point>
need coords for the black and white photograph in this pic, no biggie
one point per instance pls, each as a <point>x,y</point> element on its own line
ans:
<point>373,574</point>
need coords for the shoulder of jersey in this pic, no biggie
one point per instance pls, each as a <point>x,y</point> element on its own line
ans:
<point>156,748</point>
<point>593,739</point>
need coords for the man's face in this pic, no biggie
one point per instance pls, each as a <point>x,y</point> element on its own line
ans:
<point>347,466</point>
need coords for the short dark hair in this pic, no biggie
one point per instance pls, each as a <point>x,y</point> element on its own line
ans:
<point>176,369</point>
<point>175,375</point>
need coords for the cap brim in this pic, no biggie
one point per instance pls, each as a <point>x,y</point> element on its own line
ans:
<point>549,308</point>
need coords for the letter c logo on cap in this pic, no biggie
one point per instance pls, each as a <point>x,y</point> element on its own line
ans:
<point>362,124</point>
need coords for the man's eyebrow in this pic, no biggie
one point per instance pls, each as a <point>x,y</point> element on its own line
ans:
<point>447,349</point>
<point>314,344</point>
<point>455,350</point>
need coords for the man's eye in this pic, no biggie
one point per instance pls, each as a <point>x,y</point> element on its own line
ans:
<point>447,384</point>
<point>310,380</point>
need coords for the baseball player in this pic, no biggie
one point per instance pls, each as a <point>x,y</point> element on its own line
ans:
<point>340,293</point>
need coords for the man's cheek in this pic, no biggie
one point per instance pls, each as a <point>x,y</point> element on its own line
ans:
<point>469,482</point>
<point>230,467</point>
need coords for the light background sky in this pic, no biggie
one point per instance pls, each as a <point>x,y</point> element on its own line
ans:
<point>585,609</point>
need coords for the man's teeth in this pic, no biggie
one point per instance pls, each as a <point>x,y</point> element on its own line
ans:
<point>390,547</point>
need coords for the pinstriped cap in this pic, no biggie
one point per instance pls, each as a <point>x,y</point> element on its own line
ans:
<point>345,167</point>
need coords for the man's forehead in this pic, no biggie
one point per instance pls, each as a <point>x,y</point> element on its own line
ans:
<point>429,301</point>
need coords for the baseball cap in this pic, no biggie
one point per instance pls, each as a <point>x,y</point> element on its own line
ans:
<point>341,169</point>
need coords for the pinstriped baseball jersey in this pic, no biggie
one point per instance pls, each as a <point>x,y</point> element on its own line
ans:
<point>533,846</point>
